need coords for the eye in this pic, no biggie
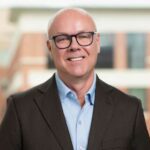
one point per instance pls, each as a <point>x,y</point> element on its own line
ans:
<point>84,35</point>
<point>61,38</point>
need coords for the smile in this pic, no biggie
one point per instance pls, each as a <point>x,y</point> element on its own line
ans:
<point>76,58</point>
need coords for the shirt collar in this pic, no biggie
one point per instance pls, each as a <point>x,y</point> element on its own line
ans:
<point>91,91</point>
<point>64,90</point>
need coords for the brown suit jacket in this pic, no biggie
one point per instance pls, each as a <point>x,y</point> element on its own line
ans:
<point>35,121</point>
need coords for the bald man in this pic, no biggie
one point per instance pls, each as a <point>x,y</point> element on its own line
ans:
<point>74,109</point>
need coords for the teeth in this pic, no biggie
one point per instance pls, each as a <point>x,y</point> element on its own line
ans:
<point>76,59</point>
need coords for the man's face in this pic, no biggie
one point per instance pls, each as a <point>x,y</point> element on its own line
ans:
<point>74,61</point>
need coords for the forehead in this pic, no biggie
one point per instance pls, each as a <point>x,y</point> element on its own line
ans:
<point>71,21</point>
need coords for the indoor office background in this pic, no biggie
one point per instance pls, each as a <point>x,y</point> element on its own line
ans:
<point>124,60</point>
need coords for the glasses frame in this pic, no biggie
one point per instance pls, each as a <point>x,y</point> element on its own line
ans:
<point>70,39</point>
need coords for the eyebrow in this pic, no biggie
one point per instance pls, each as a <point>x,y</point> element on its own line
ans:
<point>64,33</point>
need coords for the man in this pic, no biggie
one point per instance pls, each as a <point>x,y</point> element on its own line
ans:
<point>74,110</point>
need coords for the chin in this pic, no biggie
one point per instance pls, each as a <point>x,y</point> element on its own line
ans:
<point>78,75</point>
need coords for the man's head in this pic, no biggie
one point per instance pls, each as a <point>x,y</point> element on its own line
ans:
<point>73,42</point>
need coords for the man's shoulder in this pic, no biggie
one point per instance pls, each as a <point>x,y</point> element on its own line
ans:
<point>118,96</point>
<point>28,95</point>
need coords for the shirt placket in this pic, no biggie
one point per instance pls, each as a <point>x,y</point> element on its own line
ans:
<point>80,136</point>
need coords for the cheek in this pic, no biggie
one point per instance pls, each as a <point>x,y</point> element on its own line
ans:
<point>95,50</point>
<point>58,58</point>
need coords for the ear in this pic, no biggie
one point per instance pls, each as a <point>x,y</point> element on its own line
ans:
<point>49,48</point>
<point>48,45</point>
<point>98,42</point>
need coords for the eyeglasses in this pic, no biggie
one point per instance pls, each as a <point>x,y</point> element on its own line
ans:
<point>64,41</point>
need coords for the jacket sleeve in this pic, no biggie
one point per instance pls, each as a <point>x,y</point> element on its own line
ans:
<point>10,137</point>
<point>141,139</point>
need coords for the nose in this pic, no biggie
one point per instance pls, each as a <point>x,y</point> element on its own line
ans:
<point>74,44</point>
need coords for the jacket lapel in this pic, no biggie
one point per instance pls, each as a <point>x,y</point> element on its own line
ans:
<point>102,114</point>
<point>50,107</point>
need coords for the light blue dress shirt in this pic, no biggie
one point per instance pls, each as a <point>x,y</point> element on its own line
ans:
<point>78,118</point>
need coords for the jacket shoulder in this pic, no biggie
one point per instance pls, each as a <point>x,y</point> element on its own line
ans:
<point>118,96</point>
<point>28,95</point>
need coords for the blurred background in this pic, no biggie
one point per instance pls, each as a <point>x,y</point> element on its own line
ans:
<point>124,60</point>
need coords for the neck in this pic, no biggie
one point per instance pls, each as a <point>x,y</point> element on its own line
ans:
<point>80,85</point>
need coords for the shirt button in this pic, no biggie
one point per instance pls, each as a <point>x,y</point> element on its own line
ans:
<point>81,148</point>
<point>71,95</point>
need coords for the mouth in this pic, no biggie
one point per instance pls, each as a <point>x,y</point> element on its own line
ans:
<point>76,58</point>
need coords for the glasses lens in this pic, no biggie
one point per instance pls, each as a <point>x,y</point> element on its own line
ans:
<point>62,41</point>
<point>85,39</point>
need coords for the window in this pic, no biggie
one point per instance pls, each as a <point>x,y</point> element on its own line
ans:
<point>105,58</point>
<point>136,50</point>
